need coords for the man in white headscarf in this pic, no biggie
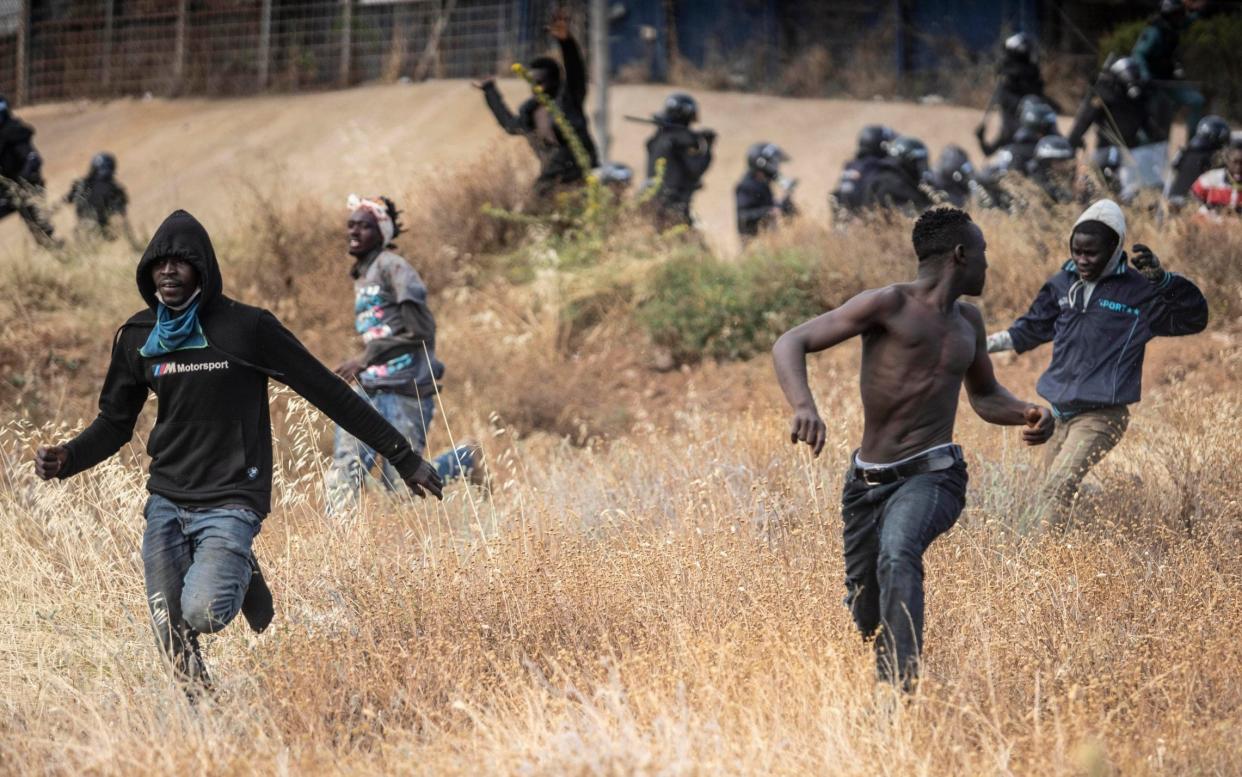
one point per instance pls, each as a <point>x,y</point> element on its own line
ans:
<point>397,370</point>
<point>1098,311</point>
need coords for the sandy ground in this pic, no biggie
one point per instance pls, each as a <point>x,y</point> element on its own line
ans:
<point>197,153</point>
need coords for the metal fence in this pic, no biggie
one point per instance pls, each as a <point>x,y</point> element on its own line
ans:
<point>64,49</point>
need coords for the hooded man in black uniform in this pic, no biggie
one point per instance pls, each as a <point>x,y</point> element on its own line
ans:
<point>21,175</point>
<point>208,359</point>
<point>686,153</point>
<point>557,165</point>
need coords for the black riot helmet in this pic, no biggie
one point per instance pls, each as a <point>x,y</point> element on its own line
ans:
<point>4,110</point>
<point>873,140</point>
<point>1172,7</point>
<point>1212,134</point>
<point>1021,47</point>
<point>1053,148</point>
<point>911,154</point>
<point>1036,115</point>
<point>766,158</point>
<point>954,164</point>
<point>680,109</point>
<point>1129,76</point>
<point>103,166</point>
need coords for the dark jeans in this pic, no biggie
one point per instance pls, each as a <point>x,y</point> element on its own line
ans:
<point>197,567</point>
<point>886,530</point>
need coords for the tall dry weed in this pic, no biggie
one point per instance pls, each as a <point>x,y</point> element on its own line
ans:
<point>671,603</point>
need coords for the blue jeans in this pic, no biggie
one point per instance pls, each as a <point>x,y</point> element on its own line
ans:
<point>197,568</point>
<point>886,530</point>
<point>411,416</point>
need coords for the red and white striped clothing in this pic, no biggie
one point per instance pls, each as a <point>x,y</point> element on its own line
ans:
<point>1218,190</point>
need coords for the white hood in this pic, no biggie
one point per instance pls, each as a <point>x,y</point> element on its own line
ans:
<point>1110,215</point>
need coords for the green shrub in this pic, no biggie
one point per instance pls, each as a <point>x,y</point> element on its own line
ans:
<point>1121,39</point>
<point>700,307</point>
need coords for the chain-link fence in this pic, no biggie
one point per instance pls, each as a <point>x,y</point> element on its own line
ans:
<point>63,49</point>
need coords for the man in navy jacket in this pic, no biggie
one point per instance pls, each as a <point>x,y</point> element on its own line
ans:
<point>1099,311</point>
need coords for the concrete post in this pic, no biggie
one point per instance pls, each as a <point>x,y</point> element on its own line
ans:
<point>106,53</point>
<point>347,40</point>
<point>265,42</point>
<point>22,88</point>
<point>599,74</point>
<point>183,13</point>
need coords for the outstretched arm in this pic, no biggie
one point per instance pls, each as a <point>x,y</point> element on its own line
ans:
<point>1036,327</point>
<point>301,371</point>
<point>862,313</point>
<point>992,401</point>
<point>575,70</point>
<point>120,402</point>
<point>1178,308</point>
<point>509,122</point>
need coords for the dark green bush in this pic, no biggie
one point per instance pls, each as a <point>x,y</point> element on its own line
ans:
<point>699,307</point>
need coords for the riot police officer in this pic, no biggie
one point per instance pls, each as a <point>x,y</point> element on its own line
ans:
<point>21,175</point>
<point>98,196</point>
<point>1018,76</point>
<point>757,207</point>
<point>1195,158</point>
<point>848,198</point>
<point>687,154</point>
<point>897,184</point>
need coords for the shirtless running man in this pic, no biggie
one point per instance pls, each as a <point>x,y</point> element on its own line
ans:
<point>906,485</point>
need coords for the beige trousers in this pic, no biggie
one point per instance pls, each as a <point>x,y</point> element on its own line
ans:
<point>1076,446</point>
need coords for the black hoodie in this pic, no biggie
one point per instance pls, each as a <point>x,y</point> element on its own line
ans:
<point>212,441</point>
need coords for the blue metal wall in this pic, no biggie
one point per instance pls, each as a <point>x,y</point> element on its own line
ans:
<point>976,23</point>
<point>702,27</point>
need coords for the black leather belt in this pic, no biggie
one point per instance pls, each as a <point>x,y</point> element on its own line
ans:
<point>932,461</point>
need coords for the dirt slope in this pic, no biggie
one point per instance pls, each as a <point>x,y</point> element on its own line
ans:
<point>195,153</point>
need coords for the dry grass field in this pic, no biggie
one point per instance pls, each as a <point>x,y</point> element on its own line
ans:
<point>653,584</point>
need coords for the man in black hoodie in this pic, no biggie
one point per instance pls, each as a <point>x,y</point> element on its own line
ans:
<point>557,164</point>
<point>208,359</point>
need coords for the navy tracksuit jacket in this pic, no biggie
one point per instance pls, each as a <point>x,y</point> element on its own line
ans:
<point>1098,347</point>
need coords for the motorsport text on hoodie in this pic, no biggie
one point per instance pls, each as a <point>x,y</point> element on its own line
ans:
<point>212,441</point>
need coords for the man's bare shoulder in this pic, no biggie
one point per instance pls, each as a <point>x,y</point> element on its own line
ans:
<point>971,313</point>
<point>887,299</point>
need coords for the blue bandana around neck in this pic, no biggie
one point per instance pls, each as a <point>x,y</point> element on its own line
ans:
<point>174,331</point>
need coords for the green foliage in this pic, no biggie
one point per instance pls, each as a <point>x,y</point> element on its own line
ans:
<point>1212,50</point>
<point>1121,39</point>
<point>699,307</point>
